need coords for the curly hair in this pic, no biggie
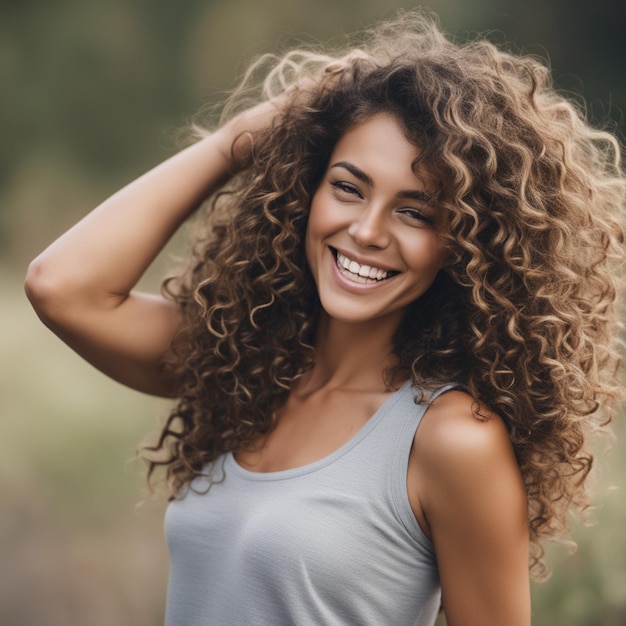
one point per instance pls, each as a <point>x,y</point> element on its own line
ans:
<point>525,312</point>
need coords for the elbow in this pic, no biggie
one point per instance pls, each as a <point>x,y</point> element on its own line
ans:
<point>43,291</point>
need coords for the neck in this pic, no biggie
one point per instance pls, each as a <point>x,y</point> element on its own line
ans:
<point>351,355</point>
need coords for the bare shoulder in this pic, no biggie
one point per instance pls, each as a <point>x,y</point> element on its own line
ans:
<point>463,466</point>
<point>457,432</point>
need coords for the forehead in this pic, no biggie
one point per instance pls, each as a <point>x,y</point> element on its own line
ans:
<point>379,146</point>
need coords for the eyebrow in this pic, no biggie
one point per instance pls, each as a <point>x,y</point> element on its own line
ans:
<point>409,194</point>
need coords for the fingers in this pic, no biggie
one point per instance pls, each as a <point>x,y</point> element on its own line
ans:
<point>241,129</point>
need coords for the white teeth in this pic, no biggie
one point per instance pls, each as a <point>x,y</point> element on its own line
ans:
<point>361,273</point>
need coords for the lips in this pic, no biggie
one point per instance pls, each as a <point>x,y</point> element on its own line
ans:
<point>361,273</point>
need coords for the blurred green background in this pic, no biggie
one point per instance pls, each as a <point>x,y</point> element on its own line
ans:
<point>92,93</point>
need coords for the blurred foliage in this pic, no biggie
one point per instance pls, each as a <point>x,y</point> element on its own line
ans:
<point>93,92</point>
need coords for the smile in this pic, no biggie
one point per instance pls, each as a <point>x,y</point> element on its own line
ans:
<point>356,272</point>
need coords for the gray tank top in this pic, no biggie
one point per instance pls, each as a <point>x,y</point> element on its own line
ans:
<point>331,543</point>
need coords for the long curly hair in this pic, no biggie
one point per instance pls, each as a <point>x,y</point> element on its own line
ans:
<point>525,312</point>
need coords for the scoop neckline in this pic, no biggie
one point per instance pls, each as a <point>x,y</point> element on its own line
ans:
<point>232,464</point>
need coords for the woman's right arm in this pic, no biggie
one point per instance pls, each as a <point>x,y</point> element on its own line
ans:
<point>81,286</point>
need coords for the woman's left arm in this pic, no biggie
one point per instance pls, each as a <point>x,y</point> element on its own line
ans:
<point>468,487</point>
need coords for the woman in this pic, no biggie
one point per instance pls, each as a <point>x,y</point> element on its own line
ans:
<point>396,331</point>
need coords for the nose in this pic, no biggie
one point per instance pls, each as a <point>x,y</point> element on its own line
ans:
<point>370,230</point>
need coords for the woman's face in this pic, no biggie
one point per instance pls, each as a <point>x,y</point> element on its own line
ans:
<point>373,242</point>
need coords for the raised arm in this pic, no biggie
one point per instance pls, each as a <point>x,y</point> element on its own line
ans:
<point>81,286</point>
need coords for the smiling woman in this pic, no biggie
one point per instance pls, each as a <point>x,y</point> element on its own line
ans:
<point>395,334</point>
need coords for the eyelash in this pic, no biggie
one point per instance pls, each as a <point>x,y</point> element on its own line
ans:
<point>413,213</point>
<point>418,215</point>
<point>346,188</point>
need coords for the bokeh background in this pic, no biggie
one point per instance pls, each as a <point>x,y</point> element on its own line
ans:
<point>94,92</point>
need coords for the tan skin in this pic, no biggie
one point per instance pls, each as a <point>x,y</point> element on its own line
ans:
<point>463,482</point>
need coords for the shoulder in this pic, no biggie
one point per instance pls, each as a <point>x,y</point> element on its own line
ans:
<point>458,432</point>
<point>463,465</point>
<point>467,491</point>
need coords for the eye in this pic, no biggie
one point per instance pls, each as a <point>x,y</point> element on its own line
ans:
<point>346,189</point>
<point>415,215</point>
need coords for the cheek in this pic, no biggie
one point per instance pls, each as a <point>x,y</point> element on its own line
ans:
<point>427,255</point>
